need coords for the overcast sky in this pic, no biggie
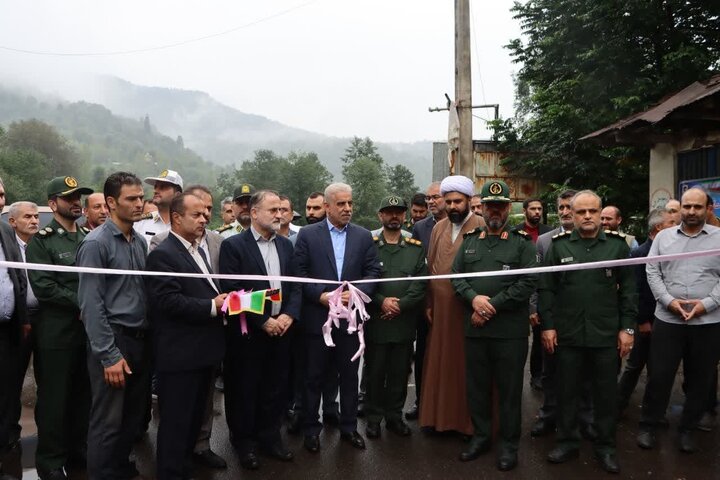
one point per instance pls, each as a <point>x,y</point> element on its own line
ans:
<point>337,67</point>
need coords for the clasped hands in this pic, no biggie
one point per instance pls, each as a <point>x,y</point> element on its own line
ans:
<point>482,310</point>
<point>687,309</point>
<point>390,308</point>
<point>277,326</point>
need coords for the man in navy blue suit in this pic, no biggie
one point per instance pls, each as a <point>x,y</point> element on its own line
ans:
<point>257,363</point>
<point>188,339</point>
<point>333,250</point>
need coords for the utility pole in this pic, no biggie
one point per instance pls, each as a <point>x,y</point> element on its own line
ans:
<point>464,164</point>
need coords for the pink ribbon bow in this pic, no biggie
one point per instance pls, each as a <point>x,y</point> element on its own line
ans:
<point>354,311</point>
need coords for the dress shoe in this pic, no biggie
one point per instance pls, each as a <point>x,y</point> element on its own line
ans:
<point>588,432</point>
<point>646,439</point>
<point>312,443</point>
<point>354,439</point>
<point>249,461</point>
<point>56,474</point>
<point>562,454</point>
<point>608,462</point>
<point>476,448</point>
<point>686,442</point>
<point>208,458</point>
<point>278,451</point>
<point>707,423</point>
<point>507,461</point>
<point>413,413</point>
<point>373,430</point>
<point>331,419</point>
<point>542,427</point>
<point>398,427</point>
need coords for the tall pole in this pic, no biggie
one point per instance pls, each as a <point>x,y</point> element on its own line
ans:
<point>464,164</point>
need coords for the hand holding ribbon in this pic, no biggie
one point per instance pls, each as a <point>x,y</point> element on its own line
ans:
<point>354,313</point>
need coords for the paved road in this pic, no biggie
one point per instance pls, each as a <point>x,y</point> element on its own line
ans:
<point>428,456</point>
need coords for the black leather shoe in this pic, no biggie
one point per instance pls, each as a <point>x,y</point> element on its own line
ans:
<point>278,452</point>
<point>608,462</point>
<point>210,459</point>
<point>373,430</point>
<point>507,461</point>
<point>542,427</point>
<point>312,443</point>
<point>646,439</point>
<point>686,443</point>
<point>413,413</point>
<point>476,448</point>
<point>331,419</point>
<point>562,454</point>
<point>249,461</point>
<point>398,427</point>
<point>354,439</point>
<point>588,432</point>
<point>56,474</point>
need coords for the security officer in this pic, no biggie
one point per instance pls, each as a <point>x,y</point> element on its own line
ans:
<point>587,318</point>
<point>241,207</point>
<point>63,390</point>
<point>391,330</point>
<point>165,186</point>
<point>496,325</point>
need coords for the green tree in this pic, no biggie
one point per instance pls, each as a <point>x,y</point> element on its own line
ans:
<point>401,181</point>
<point>45,140</point>
<point>587,63</point>
<point>367,179</point>
<point>361,148</point>
<point>305,174</point>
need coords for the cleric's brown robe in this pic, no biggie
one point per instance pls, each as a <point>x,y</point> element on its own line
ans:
<point>443,402</point>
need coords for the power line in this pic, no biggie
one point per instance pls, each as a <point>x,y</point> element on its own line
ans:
<point>158,47</point>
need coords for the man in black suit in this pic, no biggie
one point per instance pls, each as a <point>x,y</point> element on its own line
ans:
<point>257,363</point>
<point>13,315</point>
<point>189,339</point>
<point>333,250</point>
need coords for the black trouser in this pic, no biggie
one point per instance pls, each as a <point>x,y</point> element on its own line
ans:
<point>501,360</point>
<point>636,361</point>
<point>419,359</point>
<point>536,353</point>
<point>320,357</point>
<point>697,347</point>
<point>9,351</point>
<point>24,352</point>
<point>117,414</point>
<point>256,371</point>
<point>388,366</point>
<point>182,396</point>
<point>548,411</point>
<point>297,377</point>
<point>573,364</point>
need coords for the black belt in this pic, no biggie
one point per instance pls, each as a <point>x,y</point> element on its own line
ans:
<point>137,333</point>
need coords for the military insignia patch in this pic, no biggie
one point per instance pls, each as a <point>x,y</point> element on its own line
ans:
<point>394,201</point>
<point>495,188</point>
<point>504,235</point>
<point>482,234</point>
<point>566,260</point>
<point>163,174</point>
<point>245,189</point>
<point>71,182</point>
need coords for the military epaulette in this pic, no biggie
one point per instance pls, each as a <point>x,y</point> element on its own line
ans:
<point>614,233</point>
<point>223,228</point>
<point>564,234</point>
<point>523,234</point>
<point>413,241</point>
<point>146,216</point>
<point>477,230</point>
<point>85,230</point>
<point>239,228</point>
<point>376,239</point>
<point>46,232</point>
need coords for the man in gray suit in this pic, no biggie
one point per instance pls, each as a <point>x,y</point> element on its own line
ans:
<point>210,244</point>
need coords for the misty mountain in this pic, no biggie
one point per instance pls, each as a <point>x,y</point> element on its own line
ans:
<point>226,136</point>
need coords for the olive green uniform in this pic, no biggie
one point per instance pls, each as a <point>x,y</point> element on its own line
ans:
<point>587,308</point>
<point>390,342</point>
<point>60,358</point>
<point>498,349</point>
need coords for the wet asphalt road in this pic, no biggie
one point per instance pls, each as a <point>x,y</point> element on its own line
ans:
<point>435,456</point>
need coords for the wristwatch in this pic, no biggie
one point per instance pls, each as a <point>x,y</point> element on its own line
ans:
<point>629,331</point>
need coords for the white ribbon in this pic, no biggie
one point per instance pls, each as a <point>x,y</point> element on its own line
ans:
<point>354,311</point>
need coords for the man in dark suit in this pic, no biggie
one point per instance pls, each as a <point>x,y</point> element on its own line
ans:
<point>188,334</point>
<point>333,250</point>
<point>257,363</point>
<point>13,315</point>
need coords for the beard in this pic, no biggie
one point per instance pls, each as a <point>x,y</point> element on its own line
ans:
<point>311,220</point>
<point>534,221</point>
<point>457,217</point>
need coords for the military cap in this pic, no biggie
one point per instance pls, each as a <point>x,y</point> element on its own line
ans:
<point>168,176</point>
<point>63,186</point>
<point>392,201</point>
<point>243,190</point>
<point>495,191</point>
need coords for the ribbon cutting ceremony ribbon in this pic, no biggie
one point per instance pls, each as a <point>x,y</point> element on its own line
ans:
<point>354,313</point>
<point>240,301</point>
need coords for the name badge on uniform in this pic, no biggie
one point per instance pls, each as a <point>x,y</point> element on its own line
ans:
<point>149,233</point>
<point>608,272</point>
<point>382,264</point>
<point>566,260</point>
<point>470,252</point>
<point>64,254</point>
<point>506,267</point>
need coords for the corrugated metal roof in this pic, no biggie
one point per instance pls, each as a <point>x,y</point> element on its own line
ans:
<point>689,95</point>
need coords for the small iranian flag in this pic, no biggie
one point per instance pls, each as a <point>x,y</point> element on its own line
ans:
<point>253,302</point>
<point>274,295</point>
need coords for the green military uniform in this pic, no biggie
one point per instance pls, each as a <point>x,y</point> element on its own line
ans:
<point>60,359</point>
<point>242,193</point>
<point>498,349</point>
<point>227,231</point>
<point>390,341</point>
<point>587,308</point>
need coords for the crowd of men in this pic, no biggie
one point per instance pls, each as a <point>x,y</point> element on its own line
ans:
<point>102,342</point>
